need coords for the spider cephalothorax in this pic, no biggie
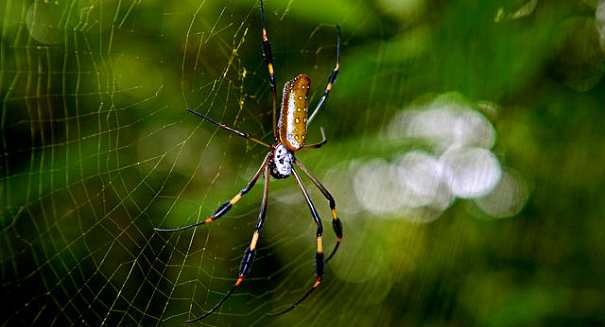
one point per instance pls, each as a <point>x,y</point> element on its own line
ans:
<point>281,162</point>
<point>289,135</point>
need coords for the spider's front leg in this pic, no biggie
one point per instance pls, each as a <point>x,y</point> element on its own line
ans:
<point>250,252</point>
<point>225,207</point>
<point>331,79</point>
<point>319,144</point>
<point>267,53</point>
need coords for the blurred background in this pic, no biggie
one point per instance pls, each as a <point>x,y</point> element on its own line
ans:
<point>465,154</point>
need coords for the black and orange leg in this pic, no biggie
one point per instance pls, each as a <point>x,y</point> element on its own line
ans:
<point>231,130</point>
<point>225,207</point>
<point>250,252</point>
<point>331,79</point>
<point>267,53</point>
<point>319,255</point>
<point>336,224</point>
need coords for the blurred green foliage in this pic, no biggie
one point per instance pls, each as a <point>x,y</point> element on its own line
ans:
<point>97,149</point>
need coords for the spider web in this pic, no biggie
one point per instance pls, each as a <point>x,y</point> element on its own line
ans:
<point>97,150</point>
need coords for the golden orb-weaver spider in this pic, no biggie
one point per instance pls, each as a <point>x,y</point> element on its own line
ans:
<point>289,136</point>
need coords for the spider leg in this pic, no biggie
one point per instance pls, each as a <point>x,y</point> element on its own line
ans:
<point>319,256</point>
<point>229,129</point>
<point>317,145</point>
<point>331,79</point>
<point>225,207</point>
<point>336,224</point>
<point>249,253</point>
<point>269,60</point>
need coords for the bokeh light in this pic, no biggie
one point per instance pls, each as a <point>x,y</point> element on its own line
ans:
<point>507,198</point>
<point>458,163</point>
<point>600,22</point>
<point>470,172</point>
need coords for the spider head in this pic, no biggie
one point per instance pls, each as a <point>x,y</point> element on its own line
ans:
<point>281,162</point>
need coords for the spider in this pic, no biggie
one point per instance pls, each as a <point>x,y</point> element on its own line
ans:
<point>289,134</point>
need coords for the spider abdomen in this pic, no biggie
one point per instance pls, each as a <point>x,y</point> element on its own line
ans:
<point>293,116</point>
<point>281,163</point>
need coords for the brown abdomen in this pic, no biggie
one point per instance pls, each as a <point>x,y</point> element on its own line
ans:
<point>293,116</point>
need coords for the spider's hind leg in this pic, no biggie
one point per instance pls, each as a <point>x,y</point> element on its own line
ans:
<point>250,252</point>
<point>225,207</point>
<point>319,255</point>
<point>336,224</point>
